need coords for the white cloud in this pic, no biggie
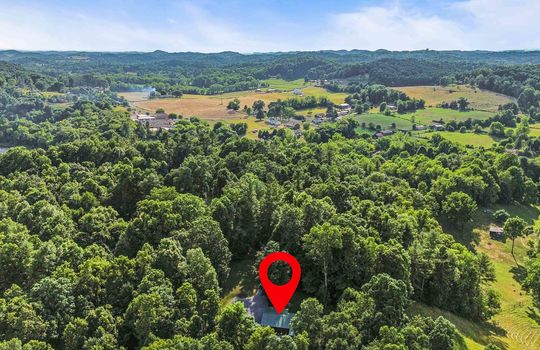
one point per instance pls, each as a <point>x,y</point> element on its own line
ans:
<point>391,28</point>
<point>502,24</point>
<point>190,29</point>
<point>466,25</point>
<point>191,26</point>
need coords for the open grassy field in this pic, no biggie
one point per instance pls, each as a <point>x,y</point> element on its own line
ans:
<point>135,96</point>
<point>517,326</point>
<point>428,115</point>
<point>385,121</point>
<point>535,130</point>
<point>480,99</point>
<point>467,138</point>
<point>281,84</point>
<point>214,107</point>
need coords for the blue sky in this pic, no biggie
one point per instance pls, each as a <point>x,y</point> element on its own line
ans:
<point>268,25</point>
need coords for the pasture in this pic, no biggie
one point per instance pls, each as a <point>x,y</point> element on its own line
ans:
<point>468,138</point>
<point>384,121</point>
<point>428,115</point>
<point>213,108</point>
<point>281,84</point>
<point>480,99</point>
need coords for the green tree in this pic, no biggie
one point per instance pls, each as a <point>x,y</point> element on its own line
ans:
<point>463,103</point>
<point>308,320</point>
<point>496,129</point>
<point>514,228</point>
<point>234,325</point>
<point>320,244</point>
<point>501,216</point>
<point>234,104</point>
<point>459,208</point>
<point>532,281</point>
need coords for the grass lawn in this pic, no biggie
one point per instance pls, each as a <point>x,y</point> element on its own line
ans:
<point>311,112</point>
<point>479,99</point>
<point>241,281</point>
<point>517,326</point>
<point>428,115</point>
<point>535,130</point>
<point>281,84</point>
<point>467,138</point>
<point>384,121</point>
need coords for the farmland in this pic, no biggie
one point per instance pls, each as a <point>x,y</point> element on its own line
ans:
<point>281,84</point>
<point>428,115</point>
<point>385,121</point>
<point>213,108</point>
<point>468,138</point>
<point>480,99</point>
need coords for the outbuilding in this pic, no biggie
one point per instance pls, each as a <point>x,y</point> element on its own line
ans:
<point>496,233</point>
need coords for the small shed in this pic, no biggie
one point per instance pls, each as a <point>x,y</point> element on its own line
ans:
<point>280,322</point>
<point>496,232</point>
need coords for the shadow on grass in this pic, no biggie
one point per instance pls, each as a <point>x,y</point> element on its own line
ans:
<point>519,272</point>
<point>242,280</point>
<point>533,314</point>
<point>464,235</point>
<point>482,333</point>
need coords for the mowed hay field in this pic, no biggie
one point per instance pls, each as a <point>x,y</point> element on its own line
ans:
<point>428,115</point>
<point>467,138</point>
<point>480,99</point>
<point>385,121</point>
<point>213,108</point>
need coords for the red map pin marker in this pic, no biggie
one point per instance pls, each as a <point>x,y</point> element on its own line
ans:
<point>279,295</point>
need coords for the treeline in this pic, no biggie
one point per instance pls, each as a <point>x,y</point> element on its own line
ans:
<point>374,95</point>
<point>521,82</point>
<point>224,72</point>
<point>306,102</point>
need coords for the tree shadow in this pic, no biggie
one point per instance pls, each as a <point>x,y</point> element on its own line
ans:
<point>242,280</point>
<point>533,314</point>
<point>519,272</point>
<point>486,333</point>
<point>481,332</point>
<point>464,235</point>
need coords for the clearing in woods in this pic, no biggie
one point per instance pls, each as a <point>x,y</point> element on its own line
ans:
<point>466,138</point>
<point>385,121</point>
<point>429,115</point>
<point>517,326</point>
<point>213,108</point>
<point>482,100</point>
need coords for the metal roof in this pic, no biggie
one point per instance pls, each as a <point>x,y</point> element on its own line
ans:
<point>271,318</point>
